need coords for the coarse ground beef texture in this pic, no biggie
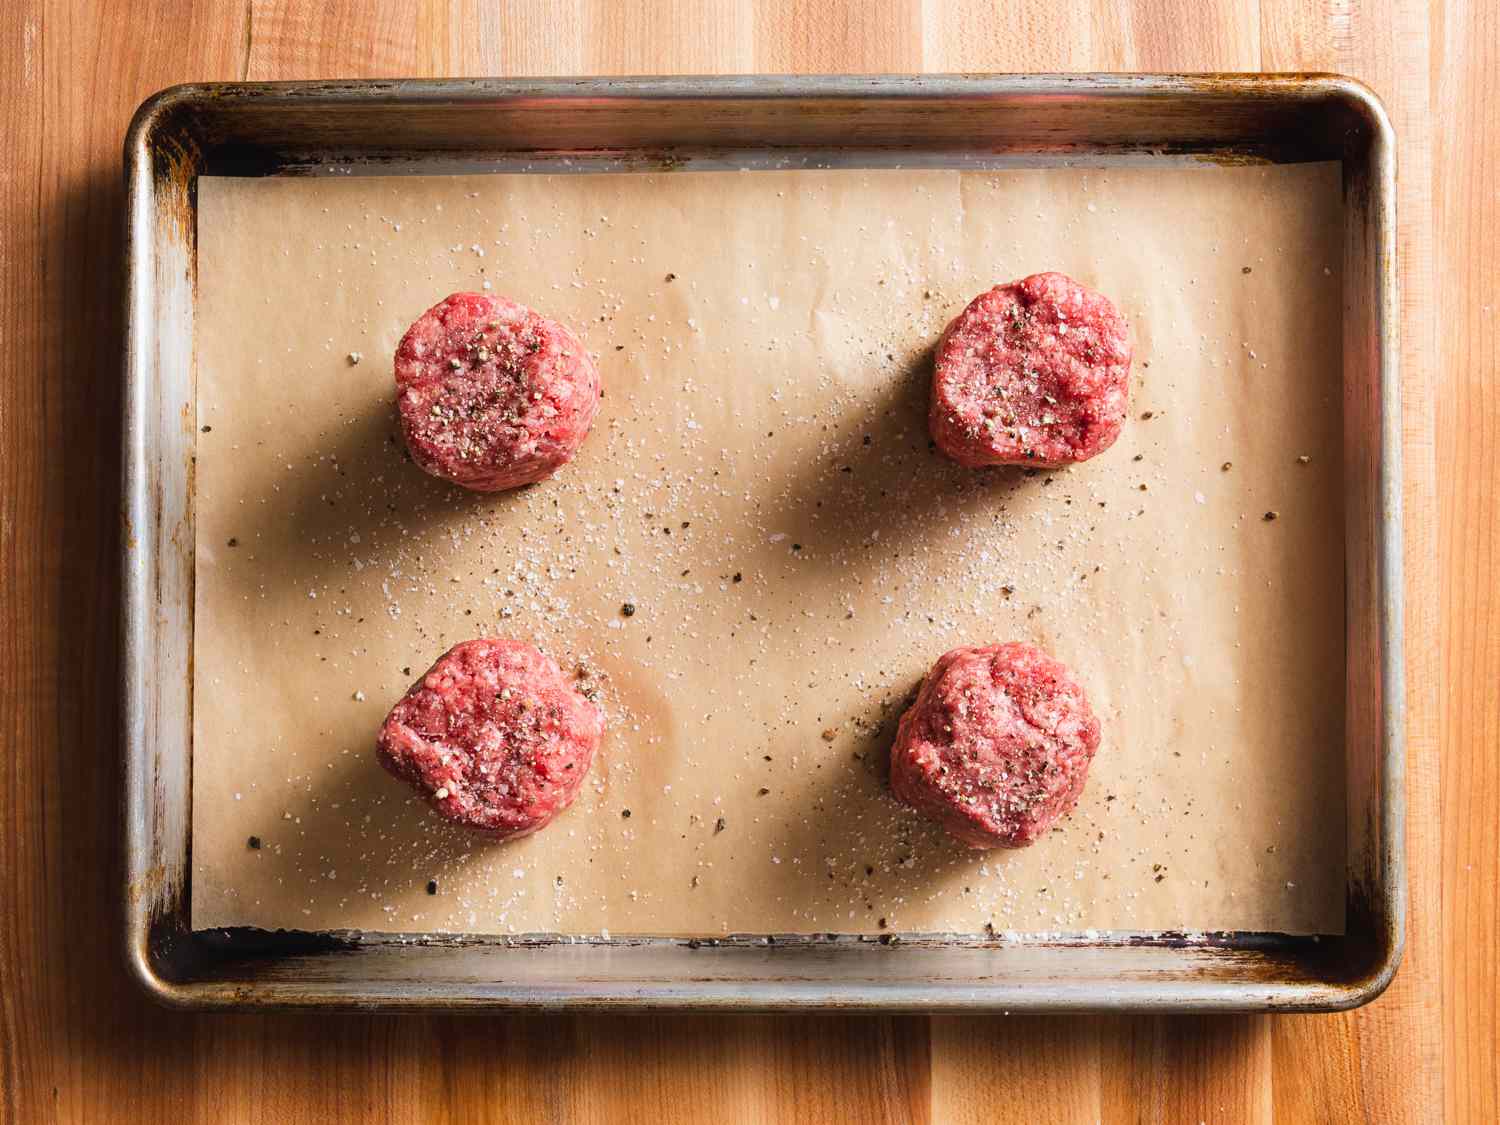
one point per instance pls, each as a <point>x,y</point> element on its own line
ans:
<point>494,737</point>
<point>1032,373</point>
<point>997,745</point>
<point>491,394</point>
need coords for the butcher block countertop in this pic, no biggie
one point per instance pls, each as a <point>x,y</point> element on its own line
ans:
<point>80,1044</point>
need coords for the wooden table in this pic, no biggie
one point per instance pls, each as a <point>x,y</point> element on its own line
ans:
<point>80,1045</point>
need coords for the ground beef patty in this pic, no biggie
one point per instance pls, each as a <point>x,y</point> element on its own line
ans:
<point>491,394</point>
<point>1031,373</point>
<point>494,737</point>
<point>997,745</point>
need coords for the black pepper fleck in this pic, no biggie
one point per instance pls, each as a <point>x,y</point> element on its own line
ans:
<point>253,843</point>
<point>432,886</point>
<point>628,609</point>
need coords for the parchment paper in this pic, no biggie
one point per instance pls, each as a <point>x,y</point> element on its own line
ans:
<point>760,486</point>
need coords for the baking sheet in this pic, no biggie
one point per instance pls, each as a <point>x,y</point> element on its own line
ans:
<point>764,341</point>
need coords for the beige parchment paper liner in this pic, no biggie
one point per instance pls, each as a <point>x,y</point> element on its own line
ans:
<point>760,486</point>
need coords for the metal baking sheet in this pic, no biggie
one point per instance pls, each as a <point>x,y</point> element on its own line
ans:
<point>891,140</point>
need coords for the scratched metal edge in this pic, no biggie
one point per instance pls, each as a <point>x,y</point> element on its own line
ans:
<point>1225,973</point>
<point>1385,881</point>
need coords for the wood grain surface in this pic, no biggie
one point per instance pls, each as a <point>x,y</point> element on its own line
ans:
<point>80,1045</point>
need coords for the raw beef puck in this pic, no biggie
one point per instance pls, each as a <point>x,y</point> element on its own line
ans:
<point>491,394</point>
<point>1032,373</point>
<point>997,745</point>
<point>494,737</point>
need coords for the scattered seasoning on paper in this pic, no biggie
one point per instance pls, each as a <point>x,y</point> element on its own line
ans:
<point>898,563</point>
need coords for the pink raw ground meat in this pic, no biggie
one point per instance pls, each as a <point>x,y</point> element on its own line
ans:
<point>997,745</point>
<point>491,394</point>
<point>1032,373</point>
<point>494,737</point>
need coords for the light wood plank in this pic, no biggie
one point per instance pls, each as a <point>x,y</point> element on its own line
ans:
<point>1016,1070</point>
<point>1466,55</point>
<point>815,37</point>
